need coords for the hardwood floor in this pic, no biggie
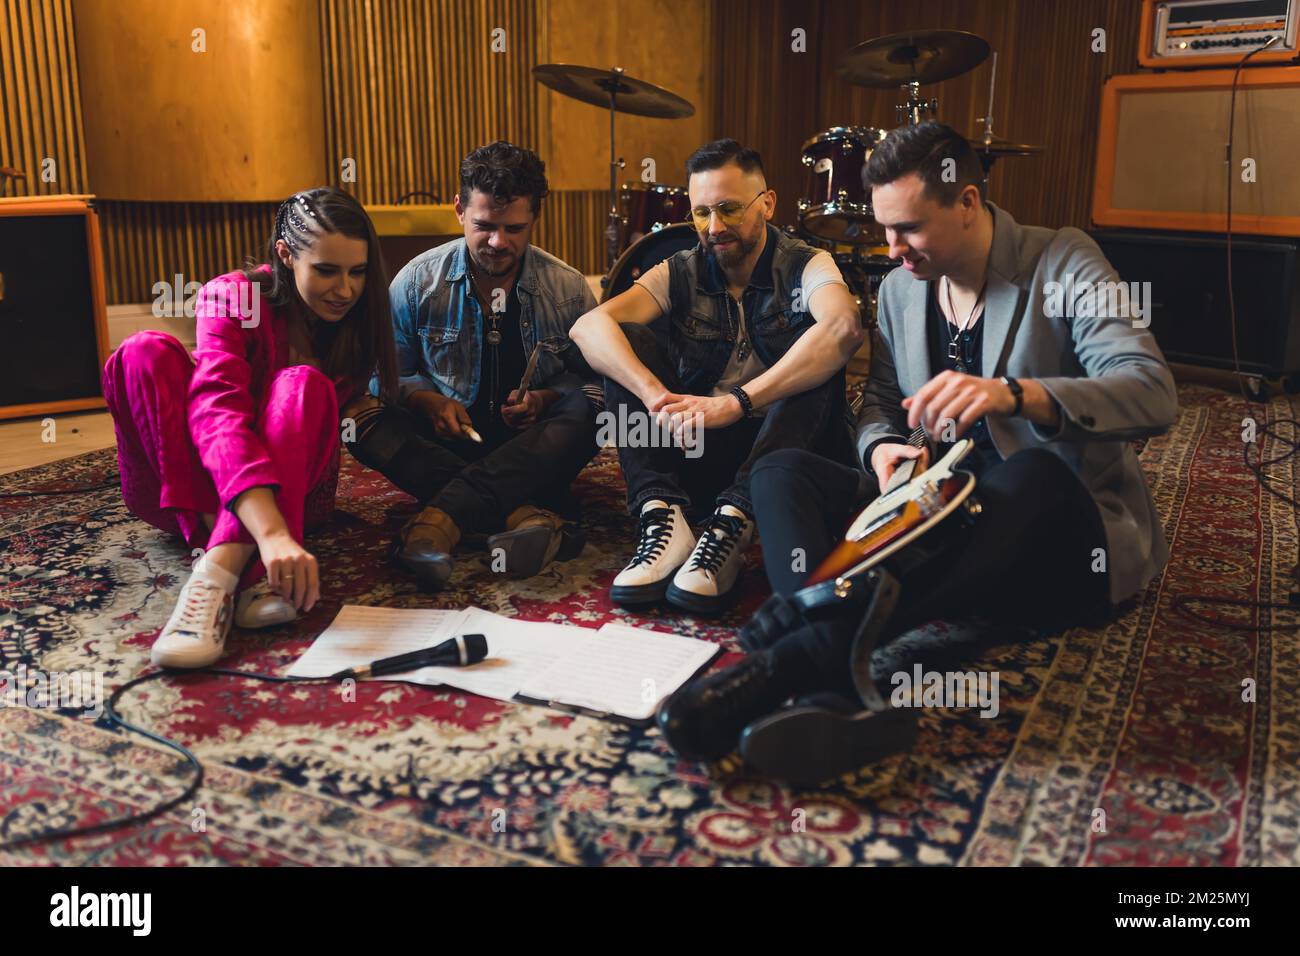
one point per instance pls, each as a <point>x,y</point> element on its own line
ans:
<point>23,441</point>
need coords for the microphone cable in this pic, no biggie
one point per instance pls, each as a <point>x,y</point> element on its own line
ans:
<point>115,719</point>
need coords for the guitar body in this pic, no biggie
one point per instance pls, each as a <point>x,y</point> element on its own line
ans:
<point>897,518</point>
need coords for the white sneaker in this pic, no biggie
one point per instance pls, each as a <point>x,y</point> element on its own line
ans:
<point>706,583</point>
<point>665,544</point>
<point>259,606</point>
<point>195,634</point>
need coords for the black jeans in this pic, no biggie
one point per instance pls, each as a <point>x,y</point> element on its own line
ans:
<point>816,420</point>
<point>1027,559</point>
<point>479,485</point>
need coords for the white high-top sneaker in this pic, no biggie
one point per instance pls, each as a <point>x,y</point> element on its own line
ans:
<point>195,634</point>
<point>259,606</point>
<point>665,544</point>
<point>706,582</point>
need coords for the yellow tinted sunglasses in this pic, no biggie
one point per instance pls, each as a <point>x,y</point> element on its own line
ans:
<point>731,212</point>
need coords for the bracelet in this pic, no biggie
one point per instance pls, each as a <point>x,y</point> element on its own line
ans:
<point>746,406</point>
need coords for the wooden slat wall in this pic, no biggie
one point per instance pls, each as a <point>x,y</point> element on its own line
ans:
<point>147,243</point>
<point>411,86</point>
<point>40,104</point>
<point>1048,87</point>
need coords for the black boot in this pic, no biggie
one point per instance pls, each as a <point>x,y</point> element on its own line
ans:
<point>821,737</point>
<point>703,720</point>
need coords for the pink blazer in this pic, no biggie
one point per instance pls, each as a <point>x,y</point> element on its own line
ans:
<point>242,343</point>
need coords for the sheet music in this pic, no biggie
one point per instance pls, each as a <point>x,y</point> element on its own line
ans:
<point>625,671</point>
<point>618,670</point>
<point>517,650</point>
<point>359,635</point>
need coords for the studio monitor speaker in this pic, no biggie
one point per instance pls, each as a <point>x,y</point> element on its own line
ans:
<point>53,318</point>
<point>1161,159</point>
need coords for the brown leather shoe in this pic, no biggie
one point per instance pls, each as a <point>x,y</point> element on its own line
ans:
<point>426,545</point>
<point>533,538</point>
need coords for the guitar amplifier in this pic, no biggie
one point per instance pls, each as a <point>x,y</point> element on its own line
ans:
<point>52,308</point>
<point>1189,296</point>
<point>1185,33</point>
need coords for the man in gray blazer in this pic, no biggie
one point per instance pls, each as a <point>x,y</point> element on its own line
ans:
<point>1019,338</point>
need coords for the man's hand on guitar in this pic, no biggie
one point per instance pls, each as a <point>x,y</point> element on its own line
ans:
<point>957,398</point>
<point>886,457</point>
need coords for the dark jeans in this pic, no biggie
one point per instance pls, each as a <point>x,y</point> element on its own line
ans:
<point>815,420</point>
<point>479,485</point>
<point>1026,560</point>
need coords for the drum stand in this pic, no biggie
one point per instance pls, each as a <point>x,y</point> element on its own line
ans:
<point>915,108</point>
<point>612,87</point>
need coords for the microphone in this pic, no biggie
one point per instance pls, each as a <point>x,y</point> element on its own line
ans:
<point>458,651</point>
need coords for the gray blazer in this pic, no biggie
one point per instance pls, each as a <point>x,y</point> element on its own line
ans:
<point>1104,370</point>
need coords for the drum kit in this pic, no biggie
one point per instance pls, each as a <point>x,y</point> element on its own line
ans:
<point>648,222</point>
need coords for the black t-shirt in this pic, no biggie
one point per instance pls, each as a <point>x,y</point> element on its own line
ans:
<point>968,347</point>
<point>500,371</point>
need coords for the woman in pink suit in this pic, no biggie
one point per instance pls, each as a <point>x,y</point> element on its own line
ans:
<point>236,451</point>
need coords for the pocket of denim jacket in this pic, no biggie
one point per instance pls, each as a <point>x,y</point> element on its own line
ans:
<point>699,325</point>
<point>439,345</point>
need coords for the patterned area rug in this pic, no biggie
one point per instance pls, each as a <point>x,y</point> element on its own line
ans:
<point>1127,745</point>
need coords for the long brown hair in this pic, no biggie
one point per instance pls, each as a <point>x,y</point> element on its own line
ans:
<point>360,344</point>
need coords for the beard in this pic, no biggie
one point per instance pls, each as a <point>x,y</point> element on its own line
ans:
<point>736,253</point>
<point>494,265</point>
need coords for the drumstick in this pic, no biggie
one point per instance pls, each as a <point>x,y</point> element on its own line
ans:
<point>469,431</point>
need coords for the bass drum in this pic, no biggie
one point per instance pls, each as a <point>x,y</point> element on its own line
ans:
<point>646,253</point>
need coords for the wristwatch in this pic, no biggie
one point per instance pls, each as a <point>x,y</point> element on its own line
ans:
<point>1017,393</point>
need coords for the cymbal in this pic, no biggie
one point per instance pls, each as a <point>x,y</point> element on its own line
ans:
<point>592,85</point>
<point>923,56</point>
<point>999,147</point>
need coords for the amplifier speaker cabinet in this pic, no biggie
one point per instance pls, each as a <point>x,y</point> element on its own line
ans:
<point>52,310</point>
<point>1189,297</point>
<point>1160,152</point>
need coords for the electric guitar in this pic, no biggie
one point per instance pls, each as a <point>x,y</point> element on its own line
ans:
<point>906,510</point>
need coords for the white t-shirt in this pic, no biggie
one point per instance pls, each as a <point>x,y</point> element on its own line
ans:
<point>820,271</point>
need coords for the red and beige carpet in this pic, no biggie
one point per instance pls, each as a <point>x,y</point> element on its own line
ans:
<point>1129,745</point>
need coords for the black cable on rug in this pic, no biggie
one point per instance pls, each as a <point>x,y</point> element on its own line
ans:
<point>1181,602</point>
<point>110,710</point>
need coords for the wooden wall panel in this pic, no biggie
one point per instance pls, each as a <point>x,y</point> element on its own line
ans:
<point>40,103</point>
<point>237,120</point>
<point>1049,86</point>
<point>665,42</point>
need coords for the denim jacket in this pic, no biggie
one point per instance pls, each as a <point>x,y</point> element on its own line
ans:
<point>702,323</point>
<point>438,324</point>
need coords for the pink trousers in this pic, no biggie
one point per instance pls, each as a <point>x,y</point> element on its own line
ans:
<point>146,385</point>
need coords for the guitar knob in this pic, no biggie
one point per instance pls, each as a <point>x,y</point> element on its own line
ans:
<point>974,508</point>
<point>842,588</point>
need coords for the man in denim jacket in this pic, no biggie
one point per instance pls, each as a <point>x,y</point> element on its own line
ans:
<point>467,315</point>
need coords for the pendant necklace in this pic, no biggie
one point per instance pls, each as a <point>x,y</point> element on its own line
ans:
<point>952,344</point>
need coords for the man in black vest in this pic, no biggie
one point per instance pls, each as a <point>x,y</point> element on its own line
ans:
<point>733,349</point>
